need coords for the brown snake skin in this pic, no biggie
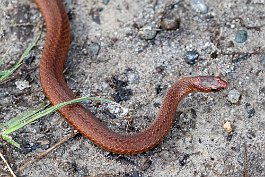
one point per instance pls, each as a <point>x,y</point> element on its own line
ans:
<point>55,88</point>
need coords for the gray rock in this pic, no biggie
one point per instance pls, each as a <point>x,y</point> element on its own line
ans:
<point>200,6</point>
<point>191,57</point>
<point>241,36</point>
<point>233,96</point>
<point>149,31</point>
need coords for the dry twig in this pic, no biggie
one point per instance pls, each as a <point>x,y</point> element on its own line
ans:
<point>7,165</point>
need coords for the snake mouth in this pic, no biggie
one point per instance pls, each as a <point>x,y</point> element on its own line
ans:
<point>218,84</point>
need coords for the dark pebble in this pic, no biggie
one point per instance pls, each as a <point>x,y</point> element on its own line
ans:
<point>193,113</point>
<point>122,94</point>
<point>116,83</point>
<point>241,36</point>
<point>71,15</point>
<point>29,59</point>
<point>191,57</point>
<point>183,161</point>
<point>29,147</point>
<point>29,78</point>
<point>160,69</point>
<point>250,110</point>
<point>158,89</point>
<point>156,105</point>
<point>214,55</point>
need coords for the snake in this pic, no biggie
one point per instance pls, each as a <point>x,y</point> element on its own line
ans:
<point>54,86</point>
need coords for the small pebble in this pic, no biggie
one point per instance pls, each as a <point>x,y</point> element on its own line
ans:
<point>214,55</point>
<point>29,59</point>
<point>84,51</point>
<point>158,89</point>
<point>149,31</point>
<point>227,127</point>
<point>122,94</point>
<point>21,85</point>
<point>133,77</point>
<point>94,49</point>
<point>170,21</point>
<point>191,57</point>
<point>28,78</point>
<point>241,36</point>
<point>200,6</point>
<point>106,2</point>
<point>160,69</point>
<point>233,96</point>
<point>184,160</point>
<point>250,110</point>
<point>28,147</point>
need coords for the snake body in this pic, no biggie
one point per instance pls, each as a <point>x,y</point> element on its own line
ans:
<point>56,90</point>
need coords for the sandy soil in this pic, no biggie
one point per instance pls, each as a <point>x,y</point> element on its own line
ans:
<point>135,70</point>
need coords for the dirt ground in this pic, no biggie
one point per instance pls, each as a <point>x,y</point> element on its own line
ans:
<point>115,55</point>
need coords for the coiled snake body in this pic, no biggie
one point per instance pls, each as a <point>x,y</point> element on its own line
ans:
<point>55,88</point>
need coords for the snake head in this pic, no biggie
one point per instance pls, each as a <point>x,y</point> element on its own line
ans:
<point>209,84</point>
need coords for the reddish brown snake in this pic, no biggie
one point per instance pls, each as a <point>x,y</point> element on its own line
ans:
<point>55,88</point>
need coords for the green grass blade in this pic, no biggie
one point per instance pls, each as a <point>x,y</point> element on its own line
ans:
<point>10,140</point>
<point>5,72</point>
<point>28,49</point>
<point>10,71</point>
<point>49,110</point>
<point>19,118</point>
<point>31,116</point>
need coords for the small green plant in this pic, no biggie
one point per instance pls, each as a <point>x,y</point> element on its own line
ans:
<point>31,116</point>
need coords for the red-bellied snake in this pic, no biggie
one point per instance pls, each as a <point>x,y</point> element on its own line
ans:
<point>55,88</point>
